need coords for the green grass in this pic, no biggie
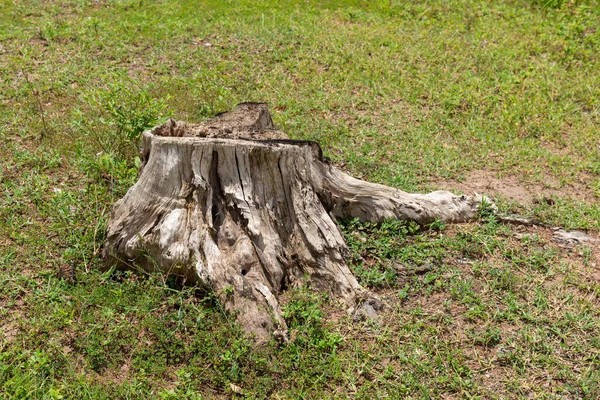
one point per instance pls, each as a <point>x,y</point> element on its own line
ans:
<point>407,94</point>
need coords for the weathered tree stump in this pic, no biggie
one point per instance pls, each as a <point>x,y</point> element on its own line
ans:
<point>236,206</point>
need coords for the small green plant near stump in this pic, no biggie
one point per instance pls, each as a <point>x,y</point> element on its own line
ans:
<point>119,115</point>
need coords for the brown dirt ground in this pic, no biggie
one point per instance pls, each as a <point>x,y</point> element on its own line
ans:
<point>513,188</point>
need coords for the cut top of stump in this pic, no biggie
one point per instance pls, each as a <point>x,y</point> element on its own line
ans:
<point>248,121</point>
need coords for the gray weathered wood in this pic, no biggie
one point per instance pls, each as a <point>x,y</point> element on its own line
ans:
<point>237,207</point>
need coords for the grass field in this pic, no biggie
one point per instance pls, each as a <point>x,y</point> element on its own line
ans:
<point>417,95</point>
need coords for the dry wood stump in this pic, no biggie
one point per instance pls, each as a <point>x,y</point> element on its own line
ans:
<point>236,206</point>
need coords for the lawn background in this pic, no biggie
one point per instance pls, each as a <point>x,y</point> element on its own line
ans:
<point>412,94</point>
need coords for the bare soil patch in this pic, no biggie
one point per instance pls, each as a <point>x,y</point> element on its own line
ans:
<point>514,188</point>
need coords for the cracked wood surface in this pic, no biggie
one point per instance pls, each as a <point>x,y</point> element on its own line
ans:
<point>248,218</point>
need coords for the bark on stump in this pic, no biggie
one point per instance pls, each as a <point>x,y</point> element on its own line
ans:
<point>236,206</point>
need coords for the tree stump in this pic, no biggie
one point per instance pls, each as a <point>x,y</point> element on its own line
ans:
<point>236,206</point>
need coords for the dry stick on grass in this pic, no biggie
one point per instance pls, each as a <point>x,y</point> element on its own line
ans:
<point>518,220</point>
<point>237,206</point>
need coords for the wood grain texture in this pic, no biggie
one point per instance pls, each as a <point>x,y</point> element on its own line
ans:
<point>235,206</point>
